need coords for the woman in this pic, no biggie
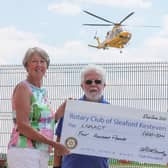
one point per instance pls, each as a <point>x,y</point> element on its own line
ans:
<point>32,135</point>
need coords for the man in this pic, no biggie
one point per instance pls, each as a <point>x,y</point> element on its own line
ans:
<point>93,82</point>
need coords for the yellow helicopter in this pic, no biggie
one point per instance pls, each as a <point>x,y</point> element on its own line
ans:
<point>117,37</point>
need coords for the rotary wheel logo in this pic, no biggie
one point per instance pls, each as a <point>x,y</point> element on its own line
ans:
<point>71,142</point>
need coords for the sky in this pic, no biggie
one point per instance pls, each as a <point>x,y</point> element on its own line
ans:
<point>56,26</point>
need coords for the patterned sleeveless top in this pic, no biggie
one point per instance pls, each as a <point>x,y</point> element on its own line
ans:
<point>41,118</point>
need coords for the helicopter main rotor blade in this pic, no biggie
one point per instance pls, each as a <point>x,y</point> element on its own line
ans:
<point>98,24</point>
<point>126,17</point>
<point>98,17</point>
<point>146,26</point>
<point>141,26</point>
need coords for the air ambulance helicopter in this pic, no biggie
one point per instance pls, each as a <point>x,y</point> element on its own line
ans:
<point>117,37</point>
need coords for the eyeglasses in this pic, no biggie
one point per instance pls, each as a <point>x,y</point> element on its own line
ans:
<point>89,82</point>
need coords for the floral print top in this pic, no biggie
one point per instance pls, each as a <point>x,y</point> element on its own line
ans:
<point>41,118</point>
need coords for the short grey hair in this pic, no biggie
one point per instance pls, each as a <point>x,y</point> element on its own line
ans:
<point>92,67</point>
<point>33,50</point>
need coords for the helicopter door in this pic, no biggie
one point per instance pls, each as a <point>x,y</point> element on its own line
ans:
<point>109,35</point>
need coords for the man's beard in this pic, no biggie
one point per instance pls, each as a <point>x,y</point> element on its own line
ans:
<point>93,96</point>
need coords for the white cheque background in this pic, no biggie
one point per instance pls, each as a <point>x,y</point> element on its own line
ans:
<point>116,132</point>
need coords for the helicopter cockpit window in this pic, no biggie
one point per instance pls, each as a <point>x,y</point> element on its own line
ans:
<point>119,30</point>
<point>116,31</point>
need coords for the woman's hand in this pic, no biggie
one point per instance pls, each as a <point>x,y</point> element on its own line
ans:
<point>60,149</point>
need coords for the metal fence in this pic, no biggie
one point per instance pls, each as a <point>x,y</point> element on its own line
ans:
<point>137,85</point>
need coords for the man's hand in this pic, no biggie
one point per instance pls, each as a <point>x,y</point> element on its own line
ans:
<point>61,109</point>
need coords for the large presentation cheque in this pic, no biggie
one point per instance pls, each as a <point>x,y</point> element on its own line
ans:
<point>117,132</point>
